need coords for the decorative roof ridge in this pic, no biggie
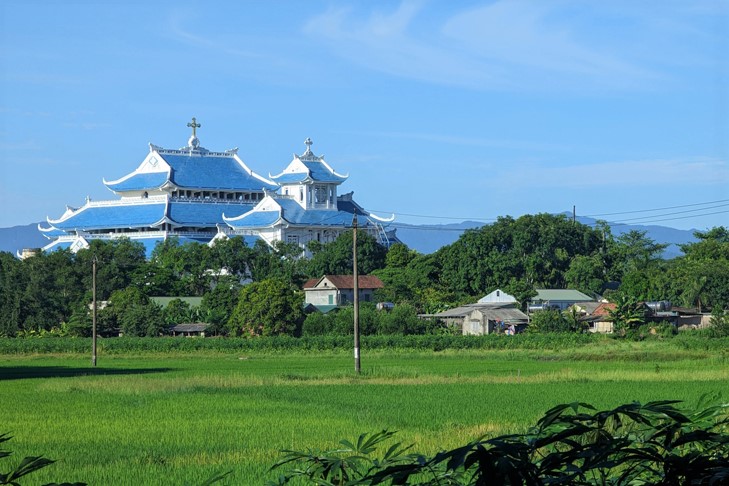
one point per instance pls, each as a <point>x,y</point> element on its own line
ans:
<point>250,171</point>
<point>133,173</point>
<point>200,152</point>
<point>256,209</point>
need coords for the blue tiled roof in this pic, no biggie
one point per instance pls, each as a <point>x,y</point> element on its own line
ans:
<point>295,214</point>
<point>256,219</point>
<point>208,172</point>
<point>102,217</point>
<point>204,214</point>
<point>320,173</point>
<point>290,177</point>
<point>139,182</point>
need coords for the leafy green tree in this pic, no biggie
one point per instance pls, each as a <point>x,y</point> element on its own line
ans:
<point>335,258</point>
<point>12,283</point>
<point>549,321</point>
<point>629,314</point>
<point>266,308</point>
<point>534,249</point>
<point>231,254</point>
<point>178,311</point>
<point>219,303</point>
<point>635,251</point>
<point>133,313</point>
<point>117,262</point>
<point>586,274</point>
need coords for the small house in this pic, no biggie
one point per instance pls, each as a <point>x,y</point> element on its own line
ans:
<point>196,329</point>
<point>556,299</point>
<point>332,291</point>
<point>498,296</point>
<point>478,319</point>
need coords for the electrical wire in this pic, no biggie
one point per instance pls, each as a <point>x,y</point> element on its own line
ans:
<point>654,218</point>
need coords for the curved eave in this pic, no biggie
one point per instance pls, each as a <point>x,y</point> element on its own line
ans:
<point>52,232</point>
<point>113,186</point>
<point>381,219</point>
<point>231,221</point>
<point>303,180</point>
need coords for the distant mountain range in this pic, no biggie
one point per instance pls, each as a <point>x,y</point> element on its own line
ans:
<point>423,238</point>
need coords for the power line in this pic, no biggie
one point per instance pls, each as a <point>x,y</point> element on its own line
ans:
<point>648,219</point>
<point>656,209</point>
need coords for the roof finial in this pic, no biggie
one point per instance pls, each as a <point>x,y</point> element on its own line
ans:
<point>308,143</point>
<point>194,126</point>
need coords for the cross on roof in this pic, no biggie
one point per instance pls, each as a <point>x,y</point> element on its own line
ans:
<point>194,126</point>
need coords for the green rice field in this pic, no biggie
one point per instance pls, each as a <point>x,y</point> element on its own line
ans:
<point>178,418</point>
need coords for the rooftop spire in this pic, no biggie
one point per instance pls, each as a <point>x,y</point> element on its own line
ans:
<point>193,142</point>
<point>308,143</point>
<point>195,126</point>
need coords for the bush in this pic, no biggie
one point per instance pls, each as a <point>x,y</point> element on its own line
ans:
<point>651,444</point>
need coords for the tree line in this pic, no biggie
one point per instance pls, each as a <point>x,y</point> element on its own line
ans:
<point>256,290</point>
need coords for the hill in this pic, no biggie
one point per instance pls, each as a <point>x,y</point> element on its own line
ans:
<point>16,238</point>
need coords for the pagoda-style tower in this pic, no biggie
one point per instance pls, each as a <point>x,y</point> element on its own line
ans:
<point>308,207</point>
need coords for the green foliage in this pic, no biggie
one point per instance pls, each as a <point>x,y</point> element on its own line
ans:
<point>535,249</point>
<point>554,321</point>
<point>27,466</point>
<point>402,320</point>
<point>219,303</point>
<point>652,444</point>
<point>133,313</point>
<point>628,314</point>
<point>178,311</point>
<point>346,464</point>
<point>335,258</point>
<point>267,308</point>
<point>719,323</point>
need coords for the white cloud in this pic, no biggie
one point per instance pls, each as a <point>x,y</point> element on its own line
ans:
<point>506,45</point>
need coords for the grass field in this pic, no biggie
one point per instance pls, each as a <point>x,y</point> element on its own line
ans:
<point>177,418</point>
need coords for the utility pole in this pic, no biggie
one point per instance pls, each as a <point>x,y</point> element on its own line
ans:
<point>93,311</point>
<point>574,214</point>
<point>356,294</point>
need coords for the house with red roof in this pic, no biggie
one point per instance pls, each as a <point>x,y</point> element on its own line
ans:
<point>331,291</point>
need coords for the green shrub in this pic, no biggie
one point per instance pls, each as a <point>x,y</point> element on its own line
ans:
<point>651,444</point>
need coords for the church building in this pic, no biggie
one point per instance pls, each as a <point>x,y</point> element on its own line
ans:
<point>197,195</point>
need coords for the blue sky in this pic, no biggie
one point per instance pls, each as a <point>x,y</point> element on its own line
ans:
<point>438,111</point>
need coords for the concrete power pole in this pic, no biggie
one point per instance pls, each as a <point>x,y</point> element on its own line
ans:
<point>93,311</point>
<point>356,294</point>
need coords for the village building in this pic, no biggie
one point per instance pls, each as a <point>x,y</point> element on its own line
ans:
<point>478,319</point>
<point>332,291</point>
<point>498,296</point>
<point>556,299</point>
<point>197,195</point>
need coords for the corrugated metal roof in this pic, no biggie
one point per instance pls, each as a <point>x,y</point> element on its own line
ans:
<point>560,294</point>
